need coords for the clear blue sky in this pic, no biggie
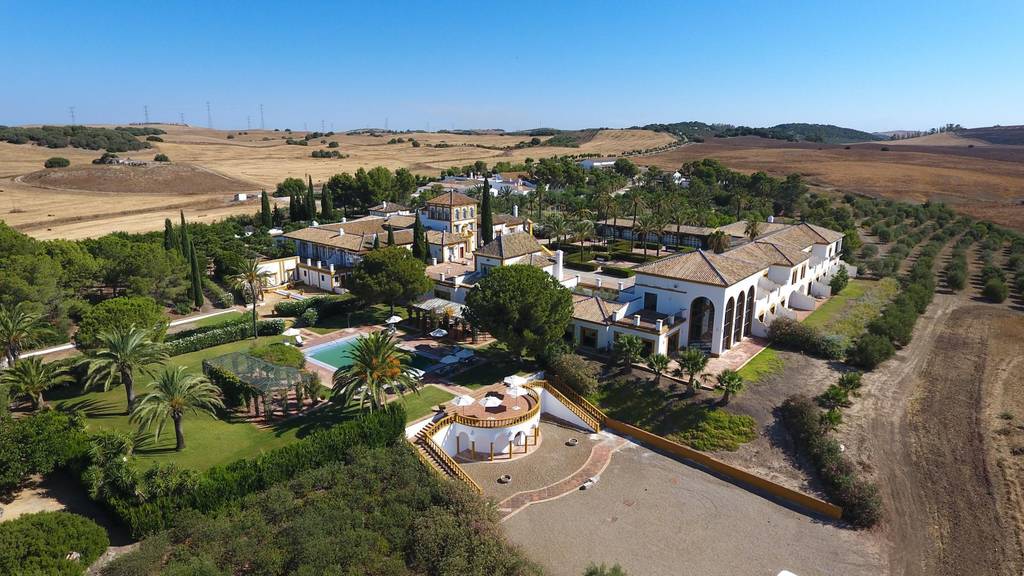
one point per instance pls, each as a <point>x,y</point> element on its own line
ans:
<point>513,65</point>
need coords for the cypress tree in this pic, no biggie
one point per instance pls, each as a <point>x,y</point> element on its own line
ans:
<point>197,279</point>
<point>168,234</point>
<point>265,218</point>
<point>391,236</point>
<point>376,241</point>
<point>278,216</point>
<point>293,207</point>
<point>310,201</point>
<point>183,246</point>
<point>326,203</point>
<point>486,217</point>
<point>419,244</point>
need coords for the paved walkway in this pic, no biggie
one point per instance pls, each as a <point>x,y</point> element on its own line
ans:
<point>600,457</point>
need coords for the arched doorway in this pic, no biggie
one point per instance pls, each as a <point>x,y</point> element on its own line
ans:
<point>462,442</point>
<point>750,313</point>
<point>702,322</point>
<point>730,313</point>
<point>737,331</point>
<point>519,439</point>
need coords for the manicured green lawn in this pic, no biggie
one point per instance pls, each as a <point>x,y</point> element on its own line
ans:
<point>497,365</point>
<point>375,314</point>
<point>217,320</point>
<point>419,405</point>
<point>766,363</point>
<point>697,422</point>
<point>848,312</point>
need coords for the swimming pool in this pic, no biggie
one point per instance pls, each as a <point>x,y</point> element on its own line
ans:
<point>335,355</point>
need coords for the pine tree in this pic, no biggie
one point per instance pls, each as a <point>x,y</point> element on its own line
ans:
<point>310,201</point>
<point>326,203</point>
<point>184,240</point>
<point>486,217</point>
<point>278,216</point>
<point>419,243</point>
<point>169,242</point>
<point>391,236</point>
<point>197,278</point>
<point>376,241</point>
<point>293,207</point>
<point>265,217</point>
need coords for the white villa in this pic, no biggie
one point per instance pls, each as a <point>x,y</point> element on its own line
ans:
<point>713,301</point>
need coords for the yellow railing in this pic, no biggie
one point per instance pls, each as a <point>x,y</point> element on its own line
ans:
<point>504,422</point>
<point>447,463</point>
<point>577,404</point>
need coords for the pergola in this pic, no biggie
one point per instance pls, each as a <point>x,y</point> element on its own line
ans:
<point>262,379</point>
<point>438,312</point>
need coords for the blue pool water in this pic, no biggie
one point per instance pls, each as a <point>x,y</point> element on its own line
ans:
<point>336,355</point>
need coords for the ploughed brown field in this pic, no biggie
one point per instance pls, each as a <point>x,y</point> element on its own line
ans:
<point>208,169</point>
<point>985,181</point>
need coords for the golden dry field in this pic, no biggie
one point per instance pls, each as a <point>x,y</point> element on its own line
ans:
<point>983,181</point>
<point>208,168</point>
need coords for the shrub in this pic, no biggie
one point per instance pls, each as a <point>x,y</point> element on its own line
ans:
<point>584,266</point>
<point>182,307</point>
<point>326,306</point>
<point>38,445</point>
<point>223,334</point>
<point>161,158</point>
<point>870,350</point>
<point>121,312</point>
<point>56,162</point>
<point>857,497</point>
<point>310,317</point>
<point>840,280</point>
<point>154,139</point>
<point>222,485</point>
<point>280,354</point>
<point>38,544</point>
<point>995,290</point>
<point>221,297</point>
<point>203,329</point>
<point>831,347</point>
<point>788,333</point>
<point>333,144</point>
<point>632,257</point>
<point>574,371</point>
<point>618,272</point>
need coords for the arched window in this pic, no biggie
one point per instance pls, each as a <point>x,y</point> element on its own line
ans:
<point>737,331</point>
<point>730,313</point>
<point>750,313</point>
<point>702,322</point>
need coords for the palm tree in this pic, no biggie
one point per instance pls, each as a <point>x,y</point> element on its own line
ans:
<point>122,352</point>
<point>635,198</point>
<point>642,228</point>
<point>31,377</point>
<point>692,362</point>
<point>556,225</point>
<point>175,392</point>
<point>582,230</point>
<point>834,398</point>
<point>731,384</point>
<point>658,363</point>
<point>377,364</point>
<point>718,241</point>
<point>628,348</point>
<point>253,279</point>
<point>752,230</point>
<point>20,328</point>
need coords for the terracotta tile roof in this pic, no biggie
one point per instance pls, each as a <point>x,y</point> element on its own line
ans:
<point>668,228</point>
<point>389,207</point>
<point>446,238</point>
<point>594,309</point>
<point>769,253</point>
<point>703,267</point>
<point>506,219</point>
<point>358,234</point>
<point>452,198</point>
<point>510,246</point>
<point>803,235</point>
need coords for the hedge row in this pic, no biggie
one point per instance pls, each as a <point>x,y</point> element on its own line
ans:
<point>618,272</point>
<point>788,333</point>
<point>204,329</point>
<point>858,498</point>
<point>325,306</point>
<point>632,257</point>
<point>584,266</point>
<point>39,543</point>
<point>223,335</point>
<point>221,485</point>
<point>231,386</point>
<point>221,297</point>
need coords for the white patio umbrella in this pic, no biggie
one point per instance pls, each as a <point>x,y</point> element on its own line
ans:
<point>290,332</point>
<point>464,400</point>
<point>490,401</point>
<point>517,391</point>
<point>393,320</point>
<point>439,333</point>
<point>465,353</point>
<point>514,380</point>
<point>416,373</point>
<point>449,359</point>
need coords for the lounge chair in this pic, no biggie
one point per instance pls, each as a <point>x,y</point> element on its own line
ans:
<point>298,341</point>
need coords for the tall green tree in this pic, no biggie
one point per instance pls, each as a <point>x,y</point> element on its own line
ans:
<point>391,236</point>
<point>731,384</point>
<point>420,250</point>
<point>718,241</point>
<point>266,217</point>
<point>326,203</point>
<point>752,229</point>
<point>183,239</point>
<point>628,348</point>
<point>376,241</point>
<point>174,393</point>
<point>486,214</point>
<point>522,306</point>
<point>310,200</point>
<point>169,237</point>
<point>294,210</point>
<point>390,274</point>
<point>21,327</point>
<point>31,377</point>
<point>252,279</point>
<point>197,277</point>
<point>377,365</point>
<point>122,353</point>
<point>658,363</point>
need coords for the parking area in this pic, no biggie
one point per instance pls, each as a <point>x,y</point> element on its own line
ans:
<point>656,516</point>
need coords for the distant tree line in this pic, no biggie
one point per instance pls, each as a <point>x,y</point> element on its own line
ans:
<point>120,139</point>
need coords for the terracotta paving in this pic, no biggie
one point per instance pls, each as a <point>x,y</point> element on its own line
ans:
<point>600,457</point>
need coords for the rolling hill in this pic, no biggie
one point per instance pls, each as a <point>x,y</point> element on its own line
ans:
<point>793,132</point>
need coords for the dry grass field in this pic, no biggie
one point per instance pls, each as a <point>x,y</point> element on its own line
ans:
<point>208,168</point>
<point>985,181</point>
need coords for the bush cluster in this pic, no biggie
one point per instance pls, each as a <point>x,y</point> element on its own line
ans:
<point>221,297</point>
<point>204,329</point>
<point>37,445</point>
<point>857,497</point>
<point>325,306</point>
<point>573,371</point>
<point>618,272</point>
<point>584,266</point>
<point>280,354</point>
<point>632,257</point>
<point>223,335</point>
<point>222,485</point>
<point>56,162</point>
<point>117,140</point>
<point>788,333</point>
<point>39,543</point>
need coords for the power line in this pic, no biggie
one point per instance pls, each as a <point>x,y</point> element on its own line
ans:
<point>323,126</point>
<point>181,117</point>
<point>262,125</point>
<point>247,126</point>
<point>72,110</point>
<point>209,115</point>
<point>145,111</point>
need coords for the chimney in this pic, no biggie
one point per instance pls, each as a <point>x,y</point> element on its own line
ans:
<point>558,265</point>
<point>341,231</point>
<point>441,276</point>
<point>309,261</point>
<point>433,261</point>
<point>621,285</point>
<point>515,210</point>
<point>658,324</point>
<point>318,264</point>
<point>771,219</point>
<point>598,282</point>
<point>671,319</point>
<point>344,219</point>
<point>384,204</point>
<point>636,319</point>
<point>332,269</point>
